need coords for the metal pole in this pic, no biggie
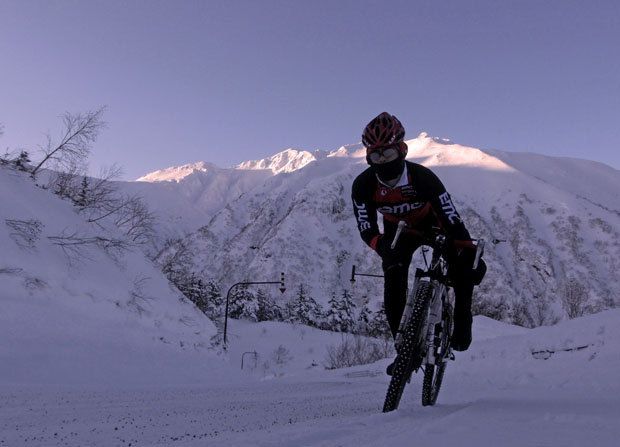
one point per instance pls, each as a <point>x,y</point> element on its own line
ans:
<point>249,352</point>
<point>282,289</point>
<point>354,274</point>
<point>226,312</point>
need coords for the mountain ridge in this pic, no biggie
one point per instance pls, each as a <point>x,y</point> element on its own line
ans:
<point>559,217</point>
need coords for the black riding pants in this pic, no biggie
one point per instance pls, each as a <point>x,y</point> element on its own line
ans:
<point>396,269</point>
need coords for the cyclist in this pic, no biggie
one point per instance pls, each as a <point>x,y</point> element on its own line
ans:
<point>402,190</point>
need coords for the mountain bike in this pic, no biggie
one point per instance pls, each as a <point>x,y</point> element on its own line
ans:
<point>423,337</point>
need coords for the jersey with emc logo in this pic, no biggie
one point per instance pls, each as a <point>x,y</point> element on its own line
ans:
<point>419,198</point>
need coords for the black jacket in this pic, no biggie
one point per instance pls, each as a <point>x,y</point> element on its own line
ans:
<point>422,202</point>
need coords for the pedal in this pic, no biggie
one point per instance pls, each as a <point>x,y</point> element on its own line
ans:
<point>451,356</point>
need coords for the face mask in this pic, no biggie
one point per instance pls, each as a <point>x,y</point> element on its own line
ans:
<point>390,170</point>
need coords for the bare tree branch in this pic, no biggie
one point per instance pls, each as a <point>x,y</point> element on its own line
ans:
<point>79,133</point>
<point>25,232</point>
<point>73,243</point>
<point>136,220</point>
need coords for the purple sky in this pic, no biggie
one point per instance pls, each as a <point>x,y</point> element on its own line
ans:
<point>230,81</point>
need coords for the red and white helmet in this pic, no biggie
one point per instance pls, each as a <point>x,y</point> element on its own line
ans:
<point>384,130</point>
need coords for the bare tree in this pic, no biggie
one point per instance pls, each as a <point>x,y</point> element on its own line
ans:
<point>99,195</point>
<point>99,199</point>
<point>136,220</point>
<point>80,131</point>
<point>357,350</point>
<point>175,258</point>
<point>65,183</point>
<point>575,298</point>
<point>139,301</point>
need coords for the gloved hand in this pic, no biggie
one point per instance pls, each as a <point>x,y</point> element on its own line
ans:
<point>479,272</point>
<point>462,267</point>
<point>383,247</point>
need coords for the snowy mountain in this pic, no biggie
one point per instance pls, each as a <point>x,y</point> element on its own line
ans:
<point>286,161</point>
<point>559,217</point>
<point>186,197</point>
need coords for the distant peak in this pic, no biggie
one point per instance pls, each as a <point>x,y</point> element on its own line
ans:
<point>177,173</point>
<point>434,151</point>
<point>288,160</point>
<point>424,136</point>
<point>350,151</point>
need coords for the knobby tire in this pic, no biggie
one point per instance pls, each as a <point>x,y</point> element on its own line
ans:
<point>433,376</point>
<point>408,350</point>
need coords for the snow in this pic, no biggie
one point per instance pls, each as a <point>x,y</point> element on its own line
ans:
<point>177,173</point>
<point>288,160</point>
<point>433,152</point>
<point>99,350</point>
<point>82,314</point>
<point>495,393</point>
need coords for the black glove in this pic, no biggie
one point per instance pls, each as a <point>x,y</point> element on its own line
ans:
<point>383,247</point>
<point>462,267</point>
<point>479,272</point>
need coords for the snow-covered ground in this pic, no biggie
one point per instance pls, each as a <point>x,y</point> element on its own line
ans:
<point>98,349</point>
<point>497,393</point>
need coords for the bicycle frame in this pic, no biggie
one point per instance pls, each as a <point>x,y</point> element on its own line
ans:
<point>434,277</point>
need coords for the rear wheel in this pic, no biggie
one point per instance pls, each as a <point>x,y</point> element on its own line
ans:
<point>408,357</point>
<point>433,376</point>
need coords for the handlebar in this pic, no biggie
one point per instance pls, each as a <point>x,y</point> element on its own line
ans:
<point>401,225</point>
<point>479,250</point>
<point>434,238</point>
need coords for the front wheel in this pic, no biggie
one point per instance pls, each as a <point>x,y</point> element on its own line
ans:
<point>433,373</point>
<point>409,353</point>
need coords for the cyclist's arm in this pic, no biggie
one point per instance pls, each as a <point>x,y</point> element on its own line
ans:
<point>365,209</point>
<point>445,210</point>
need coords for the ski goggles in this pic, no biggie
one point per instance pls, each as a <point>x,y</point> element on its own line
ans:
<point>389,153</point>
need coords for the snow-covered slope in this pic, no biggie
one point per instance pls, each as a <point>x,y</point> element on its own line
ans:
<point>560,218</point>
<point>77,310</point>
<point>186,198</point>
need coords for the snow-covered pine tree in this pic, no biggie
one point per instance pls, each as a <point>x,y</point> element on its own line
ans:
<point>215,301</point>
<point>332,318</point>
<point>22,161</point>
<point>341,313</point>
<point>266,307</point>
<point>304,309</point>
<point>363,318</point>
<point>347,308</point>
<point>242,304</point>
<point>377,325</point>
<point>315,313</point>
<point>193,288</point>
<point>82,197</point>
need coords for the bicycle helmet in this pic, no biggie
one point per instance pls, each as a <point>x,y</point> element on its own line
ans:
<point>384,130</point>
